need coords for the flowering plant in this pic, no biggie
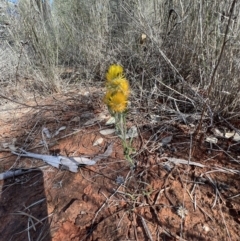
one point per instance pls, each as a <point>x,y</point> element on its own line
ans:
<point>116,98</point>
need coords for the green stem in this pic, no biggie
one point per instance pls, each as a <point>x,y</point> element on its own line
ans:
<point>120,122</point>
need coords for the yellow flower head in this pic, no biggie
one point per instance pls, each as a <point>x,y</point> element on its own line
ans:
<point>116,101</point>
<point>119,85</point>
<point>114,71</point>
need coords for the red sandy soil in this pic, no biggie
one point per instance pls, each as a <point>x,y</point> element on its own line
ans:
<point>110,200</point>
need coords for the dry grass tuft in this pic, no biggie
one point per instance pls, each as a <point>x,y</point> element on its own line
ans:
<point>168,48</point>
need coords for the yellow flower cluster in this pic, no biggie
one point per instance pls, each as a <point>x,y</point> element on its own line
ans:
<point>117,89</point>
<point>114,72</point>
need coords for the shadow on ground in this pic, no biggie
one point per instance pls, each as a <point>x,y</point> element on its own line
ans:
<point>23,208</point>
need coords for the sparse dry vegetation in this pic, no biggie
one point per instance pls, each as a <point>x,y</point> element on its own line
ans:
<point>182,59</point>
<point>167,47</point>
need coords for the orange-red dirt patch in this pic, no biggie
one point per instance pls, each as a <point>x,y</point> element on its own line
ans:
<point>154,200</point>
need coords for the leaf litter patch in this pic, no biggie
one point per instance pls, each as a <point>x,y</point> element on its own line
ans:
<point>168,195</point>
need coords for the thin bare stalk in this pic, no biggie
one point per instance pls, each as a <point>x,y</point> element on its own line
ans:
<point>212,81</point>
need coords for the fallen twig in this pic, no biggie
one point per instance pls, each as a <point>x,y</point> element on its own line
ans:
<point>18,172</point>
<point>69,163</point>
